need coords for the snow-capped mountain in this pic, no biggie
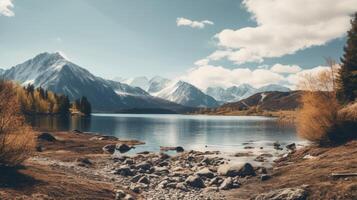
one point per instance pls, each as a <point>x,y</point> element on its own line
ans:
<point>1,71</point>
<point>274,87</point>
<point>236,93</point>
<point>141,82</point>
<point>53,72</point>
<point>157,83</point>
<point>186,94</point>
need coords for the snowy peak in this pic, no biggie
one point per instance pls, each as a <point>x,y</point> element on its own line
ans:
<point>236,93</point>
<point>157,83</point>
<point>141,82</point>
<point>186,94</point>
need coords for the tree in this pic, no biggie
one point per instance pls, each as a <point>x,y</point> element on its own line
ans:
<point>347,80</point>
<point>16,137</point>
<point>85,106</point>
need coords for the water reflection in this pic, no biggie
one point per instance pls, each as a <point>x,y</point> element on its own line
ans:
<point>193,132</point>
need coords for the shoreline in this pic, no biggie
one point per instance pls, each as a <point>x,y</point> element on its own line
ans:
<point>78,160</point>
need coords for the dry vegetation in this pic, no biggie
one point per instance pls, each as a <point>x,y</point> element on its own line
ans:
<point>322,119</point>
<point>16,138</point>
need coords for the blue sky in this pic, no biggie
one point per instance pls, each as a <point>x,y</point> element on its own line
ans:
<point>141,37</point>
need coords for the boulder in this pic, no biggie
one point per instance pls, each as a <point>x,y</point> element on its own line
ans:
<point>109,148</point>
<point>195,181</point>
<point>205,172</point>
<point>136,178</point>
<point>291,147</point>
<point>46,137</point>
<point>83,162</point>
<point>298,193</point>
<point>119,195</point>
<point>76,131</point>
<point>264,177</point>
<point>124,171</point>
<point>179,149</point>
<point>144,180</point>
<point>123,148</point>
<point>227,184</point>
<point>144,166</point>
<point>236,170</point>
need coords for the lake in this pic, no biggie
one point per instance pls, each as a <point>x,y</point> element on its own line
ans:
<point>198,132</point>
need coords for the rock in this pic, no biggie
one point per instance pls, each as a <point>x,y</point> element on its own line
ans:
<point>109,148</point>
<point>123,148</point>
<point>119,158</point>
<point>291,147</point>
<point>262,170</point>
<point>216,181</point>
<point>144,180</point>
<point>135,188</point>
<point>129,197</point>
<point>129,161</point>
<point>236,170</point>
<point>161,170</point>
<point>144,152</point>
<point>277,146</point>
<point>46,137</point>
<point>248,147</point>
<point>136,178</point>
<point>179,149</point>
<point>264,177</point>
<point>144,166</point>
<point>211,189</point>
<point>286,194</point>
<point>205,172</point>
<point>164,156</point>
<point>83,161</point>
<point>227,184</point>
<point>76,131</point>
<point>124,171</point>
<point>195,181</point>
<point>119,195</point>
<point>181,186</point>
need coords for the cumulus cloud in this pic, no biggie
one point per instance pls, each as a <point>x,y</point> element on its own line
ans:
<point>285,69</point>
<point>284,27</point>
<point>202,62</point>
<point>5,8</point>
<point>193,24</point>
<point>217,76</point>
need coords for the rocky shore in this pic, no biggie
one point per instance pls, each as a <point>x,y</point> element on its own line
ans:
<point>89,166</point>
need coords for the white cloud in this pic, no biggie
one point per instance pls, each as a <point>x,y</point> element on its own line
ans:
<point>217,76</point>
<point>284,27</point>
<point>285,69</point>
<point>202,62</point>
<point>194,24</point>
<point>5,8</point>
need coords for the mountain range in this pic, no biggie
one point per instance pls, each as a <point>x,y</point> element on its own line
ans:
<point>53,72</point>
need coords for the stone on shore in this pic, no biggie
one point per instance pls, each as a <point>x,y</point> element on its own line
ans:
<point>195,181</point>
<point>123,148</point>
<point>236,170</point>
<point>109,148</point>
<point>227,184</point>
<point>205,172</point>
<point>46,137</point>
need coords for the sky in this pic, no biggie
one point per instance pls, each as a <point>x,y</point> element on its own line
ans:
<point>204,42</point>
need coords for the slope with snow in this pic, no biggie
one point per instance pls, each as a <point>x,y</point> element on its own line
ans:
<point>53,72</point>
<point>186,94</point>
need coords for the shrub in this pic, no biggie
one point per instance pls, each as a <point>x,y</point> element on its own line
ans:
<point>16,138</point>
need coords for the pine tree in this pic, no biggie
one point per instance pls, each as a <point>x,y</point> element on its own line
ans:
<point>85,106</point>
<point>347,81</point>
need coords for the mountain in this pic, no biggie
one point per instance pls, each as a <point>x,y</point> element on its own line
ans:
<point>157,83</point>
<point>186,94</point>
<point>270,101</point>
<point>236,93</point>
<point>1,71</point>
<point>141,82</point>
<point>53,72</point>
<point>273,87</point>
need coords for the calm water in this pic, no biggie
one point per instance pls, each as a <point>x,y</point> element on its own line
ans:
<point>224,133</point>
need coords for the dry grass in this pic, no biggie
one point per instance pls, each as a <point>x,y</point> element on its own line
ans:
<point>322,119</point>
<point>16,138</point>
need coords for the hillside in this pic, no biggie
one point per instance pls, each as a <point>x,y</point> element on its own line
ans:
<point>260,102</point>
